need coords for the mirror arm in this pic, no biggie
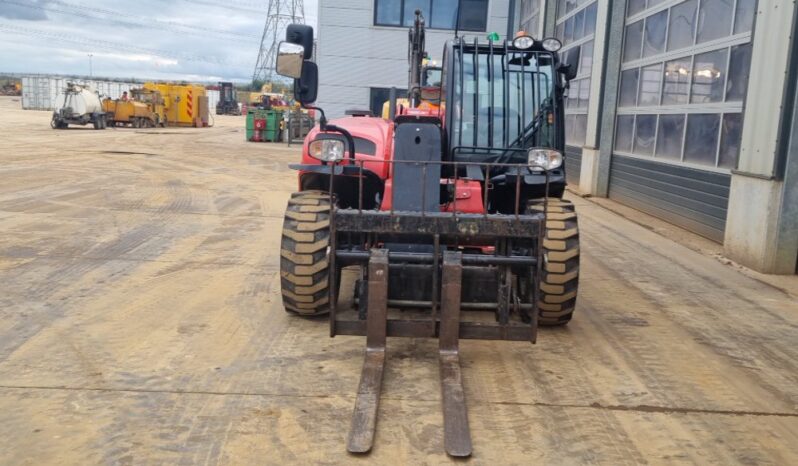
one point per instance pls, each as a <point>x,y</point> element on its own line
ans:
<point>323,126</point>
<point>322,118</point>
<point>349,139</point>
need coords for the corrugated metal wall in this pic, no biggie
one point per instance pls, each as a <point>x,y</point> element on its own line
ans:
<point>354,55</point>
<point>573,164</point>
<point>693,199</point>
<point>40,92</point>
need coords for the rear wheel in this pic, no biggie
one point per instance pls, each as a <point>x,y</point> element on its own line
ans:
<point>304,264</point>
<point>560,279</point>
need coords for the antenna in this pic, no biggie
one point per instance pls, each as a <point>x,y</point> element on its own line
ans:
<point>280,14</point>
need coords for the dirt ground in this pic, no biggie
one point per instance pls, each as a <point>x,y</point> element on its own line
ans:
<point>141,323</point>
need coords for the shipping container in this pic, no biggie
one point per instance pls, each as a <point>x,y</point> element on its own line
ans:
<point>39,92</point>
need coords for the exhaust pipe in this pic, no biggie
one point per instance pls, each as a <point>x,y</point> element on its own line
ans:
<point>392,104</point>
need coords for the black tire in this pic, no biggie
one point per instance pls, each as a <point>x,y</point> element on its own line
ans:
<point>560,281</point>
<point>304,264</point>
<point>96,122</point>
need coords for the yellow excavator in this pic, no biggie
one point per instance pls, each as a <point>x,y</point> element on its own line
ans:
<point>424,77</point>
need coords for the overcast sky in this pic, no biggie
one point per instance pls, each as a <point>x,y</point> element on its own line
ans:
<point>194,40</point>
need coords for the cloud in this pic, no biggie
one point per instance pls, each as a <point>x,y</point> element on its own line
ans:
<point>24,13</point>
<point>142,39</point>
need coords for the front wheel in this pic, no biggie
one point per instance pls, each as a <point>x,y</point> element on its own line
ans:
<point>304,263</point>
<point>560,280</point>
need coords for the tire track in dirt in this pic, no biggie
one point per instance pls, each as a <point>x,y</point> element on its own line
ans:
<point>743,344</point>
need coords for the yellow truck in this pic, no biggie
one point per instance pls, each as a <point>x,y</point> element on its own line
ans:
<point>184,104</point>
<point>142,109</point>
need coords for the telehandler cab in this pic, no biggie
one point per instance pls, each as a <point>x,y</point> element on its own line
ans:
<point>453,214</point>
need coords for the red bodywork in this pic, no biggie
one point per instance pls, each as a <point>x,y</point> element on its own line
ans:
<point>469,197</point>
<point>376,130</point>
<point>380,132</point>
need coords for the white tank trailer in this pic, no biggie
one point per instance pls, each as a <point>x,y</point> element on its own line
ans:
<point>78,105</point>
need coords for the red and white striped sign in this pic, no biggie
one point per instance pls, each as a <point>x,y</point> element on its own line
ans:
<point>190,103</point>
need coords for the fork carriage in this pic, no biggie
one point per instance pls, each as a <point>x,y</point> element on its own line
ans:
<point>503,282</point>
<point>439,274</point>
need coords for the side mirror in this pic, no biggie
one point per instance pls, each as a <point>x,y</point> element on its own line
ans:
<point>290,58</point>
<point>307,86</point>
<point>570,65</point>
<point>302,35</point>
<point>293,61</point>
<point>567,70</point>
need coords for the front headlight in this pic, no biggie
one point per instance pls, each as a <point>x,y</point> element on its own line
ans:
<point>523,42</point>
<point>544,158</point>
<point>327,150</point>
<point>552,44</point>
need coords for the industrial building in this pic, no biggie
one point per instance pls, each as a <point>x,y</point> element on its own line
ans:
<point>362,44</point>
<point>679,108</point>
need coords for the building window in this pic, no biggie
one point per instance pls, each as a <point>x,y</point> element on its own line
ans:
<point>439,14</point>
<point>684,75</point>
<point>530,17</point>
<point>576,27</point>
<point>379,95</point>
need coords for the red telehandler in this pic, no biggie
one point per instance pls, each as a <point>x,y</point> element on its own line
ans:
<point>452,214</point>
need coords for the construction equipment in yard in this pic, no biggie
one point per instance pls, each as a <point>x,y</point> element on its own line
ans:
<point>227,105</point>
<point>11,88</point>
<point>145,109</point>
<point>298,124</point>
<point>452,216</point>
<point>424,76</point>
<point>78,105</point>
<point>264,125</point>
<point>184,104</point>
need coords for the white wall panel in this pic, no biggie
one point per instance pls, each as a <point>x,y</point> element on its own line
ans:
<point>213,99</point>
<point>348,17</point>
<point>346,4</point>
<point>354,55</point>
<point>345,94</point>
